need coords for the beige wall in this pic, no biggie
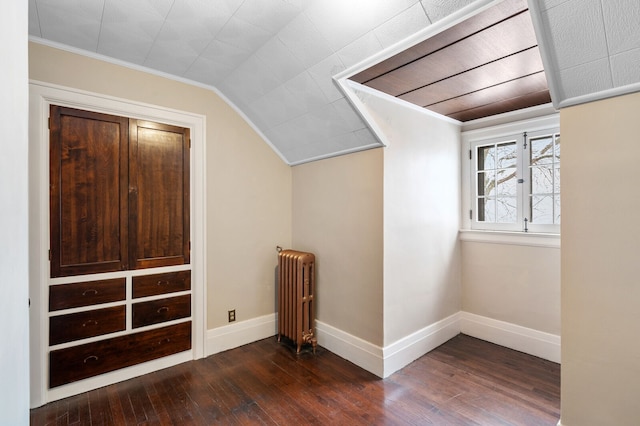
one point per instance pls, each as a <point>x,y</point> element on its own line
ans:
<point>601,263</point>
<point>337,214</point>
<point>517,284</point>
<point>248,187</point>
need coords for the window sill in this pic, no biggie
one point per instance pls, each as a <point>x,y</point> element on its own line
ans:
<point>511,237</point>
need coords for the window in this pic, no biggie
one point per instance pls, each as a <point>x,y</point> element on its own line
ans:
<point>515,181</point>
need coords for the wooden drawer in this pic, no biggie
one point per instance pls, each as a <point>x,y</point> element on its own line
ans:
<point>82,361</point>
<point>65,296</point>
<point>161,310</point>
<point>171,282</point>
<point>66,328</point>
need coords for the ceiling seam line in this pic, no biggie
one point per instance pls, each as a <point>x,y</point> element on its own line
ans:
<point>485,105</point>
<point>488,87</point>
<point>465,71</point>
<point>443,47</point>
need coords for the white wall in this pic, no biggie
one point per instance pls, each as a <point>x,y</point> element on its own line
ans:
<point>14,311</point>
<point>600,263</point>
<point>421,216</point>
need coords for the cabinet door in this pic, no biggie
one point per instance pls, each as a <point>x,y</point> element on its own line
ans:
<point>88,194</point>
<point>158,195</point>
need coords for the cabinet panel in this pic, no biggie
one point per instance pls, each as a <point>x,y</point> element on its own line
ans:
<point>88,193</point>
<point>161,310</point>
<point>66,296</point>
<point>66,328</point>
<point>159,195</point>
<point>82,361</point>
<point>151,285</point>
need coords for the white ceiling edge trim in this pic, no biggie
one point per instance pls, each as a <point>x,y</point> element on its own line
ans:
<point>348,87</point>
<point>336,154</point>
<point>429,31</point>
<point>506,118</point>
<point>168,76</point>
<point>598,96</point>
<point>547,59</point>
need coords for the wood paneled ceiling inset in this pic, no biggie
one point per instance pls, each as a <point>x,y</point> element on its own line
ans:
<point>486,65</point>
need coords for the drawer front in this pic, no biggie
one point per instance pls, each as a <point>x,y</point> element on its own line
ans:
<point>161,310</point>
<point>171,282</point>
<point>66,328</point>
<point>83,361</point>
<point>65,296</point>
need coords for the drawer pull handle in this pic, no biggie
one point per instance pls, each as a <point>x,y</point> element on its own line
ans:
<point>91,291</point>
<point>163,309</point>
<point>90,322</point>
<point>163,282</point>
<point>90,358</point>
<point>163,341</point>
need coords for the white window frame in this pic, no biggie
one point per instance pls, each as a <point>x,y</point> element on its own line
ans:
<point>515,130</point>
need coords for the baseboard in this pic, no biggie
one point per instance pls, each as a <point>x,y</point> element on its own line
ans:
<point>241,333</point>
<point>360,352</point>
<point>385,361</point>
<point>523,339</point>
<point>406,350</point>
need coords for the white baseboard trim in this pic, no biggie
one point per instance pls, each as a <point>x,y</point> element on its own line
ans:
<point>360,352</point>
<point>523,339</point>
<point>406,350</point>
<point>385,361</point>
<point>241,333</point>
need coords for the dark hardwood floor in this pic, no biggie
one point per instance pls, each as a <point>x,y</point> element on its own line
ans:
<point>466,381</point>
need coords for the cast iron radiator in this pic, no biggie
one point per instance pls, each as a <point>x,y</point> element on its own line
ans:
<point>296,288</point>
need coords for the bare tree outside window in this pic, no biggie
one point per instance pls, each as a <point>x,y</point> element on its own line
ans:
<point>544,180</point>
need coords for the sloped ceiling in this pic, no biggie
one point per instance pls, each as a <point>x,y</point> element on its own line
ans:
<point>276,60</point>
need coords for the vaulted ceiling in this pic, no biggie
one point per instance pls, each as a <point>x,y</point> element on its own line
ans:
<point>282,63</point>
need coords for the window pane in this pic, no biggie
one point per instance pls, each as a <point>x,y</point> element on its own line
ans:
<point>556,209</point>
<point>542,150</point>
<point>556,180</point>
<point>507,182</point>
<point>486,183</point>
<point>542,180</point>
<point>542,209</point>
<point>486,210</point>
<point>557,150</point>
<point>486,157</point>
<point>506,155</point>
<point>506,209</point>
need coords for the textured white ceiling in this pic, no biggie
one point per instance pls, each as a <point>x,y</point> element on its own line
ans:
<point>275,59</point>
<point>590,48</point>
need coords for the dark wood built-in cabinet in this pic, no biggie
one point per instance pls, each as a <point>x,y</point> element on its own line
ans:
<point>119,195</point>
<point>119,208</point>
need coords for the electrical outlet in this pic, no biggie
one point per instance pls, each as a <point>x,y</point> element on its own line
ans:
<point>232,315</point>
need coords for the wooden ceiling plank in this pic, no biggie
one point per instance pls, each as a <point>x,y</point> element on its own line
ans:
<point>525,101</point>
<point>499,93</point>
<point>497,72</point>
<point>510,36</point>
<point>445,38</point>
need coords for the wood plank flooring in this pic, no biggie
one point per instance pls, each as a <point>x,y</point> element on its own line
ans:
<point>466,381</point>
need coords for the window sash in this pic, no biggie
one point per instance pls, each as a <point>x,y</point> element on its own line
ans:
<point>502,190</point>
